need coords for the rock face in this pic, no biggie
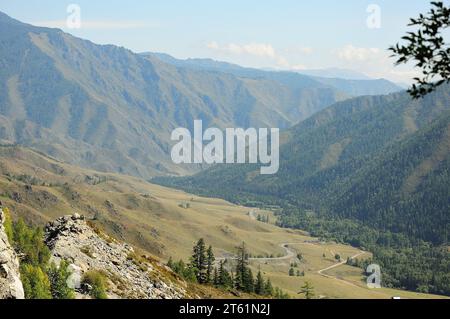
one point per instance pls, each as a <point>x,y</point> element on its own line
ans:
<point>10,284</point>
<point>70,238</point>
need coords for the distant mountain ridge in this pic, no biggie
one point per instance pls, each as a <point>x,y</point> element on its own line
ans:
<point>351,83</point>
<point>336,73</point>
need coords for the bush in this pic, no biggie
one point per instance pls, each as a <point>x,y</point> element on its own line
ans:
<point>29,241</point>
<point>98,281</point>
<point>138,261</point>
<point>35,282</point>
<point>8,224</point>
<point>58,280</point>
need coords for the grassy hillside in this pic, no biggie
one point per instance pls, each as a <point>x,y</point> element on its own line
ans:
<point>39,189</point>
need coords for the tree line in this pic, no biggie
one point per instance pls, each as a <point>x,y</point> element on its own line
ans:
<point>203,269</point>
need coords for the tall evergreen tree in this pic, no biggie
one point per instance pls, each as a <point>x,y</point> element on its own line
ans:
<point>215,278</point>
<point>199,261</point>
<point>259,284</point>
<point>225,279</point>
<point>210,263</point>
<point>248,281</point>
<point>268,288</point>
<point>241,276</point>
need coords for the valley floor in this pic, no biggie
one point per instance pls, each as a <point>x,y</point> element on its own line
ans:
<point>167,223</point>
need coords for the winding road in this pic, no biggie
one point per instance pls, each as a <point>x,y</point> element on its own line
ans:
<point>290,254</point>
<point>321,271</point>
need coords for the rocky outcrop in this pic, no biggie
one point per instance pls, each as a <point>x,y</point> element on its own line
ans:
<point>10,284</point>
<point>72,239</point>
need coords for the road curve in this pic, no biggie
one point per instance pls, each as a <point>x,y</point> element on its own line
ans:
<point>320,272</point>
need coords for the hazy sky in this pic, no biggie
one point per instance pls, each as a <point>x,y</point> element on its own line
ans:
<point>282,34</point>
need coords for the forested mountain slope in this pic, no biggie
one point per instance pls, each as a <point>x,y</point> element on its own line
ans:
<point>382,160</point>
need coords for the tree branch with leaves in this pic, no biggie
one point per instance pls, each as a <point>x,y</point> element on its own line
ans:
<point>427,48</point>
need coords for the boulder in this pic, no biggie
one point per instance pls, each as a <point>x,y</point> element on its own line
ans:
<point>10,284</point>
<point>70,238</point>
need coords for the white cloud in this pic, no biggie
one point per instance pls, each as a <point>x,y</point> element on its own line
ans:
<point>299,67</point>
<point>300,50</point>
<point>99,24</point>
<point>257,49</point>
<point>352,53</point>
<point>374,62</point>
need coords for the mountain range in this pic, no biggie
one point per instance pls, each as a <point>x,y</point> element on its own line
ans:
<point>107,108</point>
<point>351,83</point>
<point>355,151</point>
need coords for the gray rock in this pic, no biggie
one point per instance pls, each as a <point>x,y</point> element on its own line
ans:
<point>70,238</point>
<point>74,280</point>
<point>10,284</point>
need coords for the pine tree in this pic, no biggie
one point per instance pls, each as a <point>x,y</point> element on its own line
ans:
<point>307,290</point>
<point>248,281</point>
<point>268,289</point>
<point>210,263</point>
<point>58,281</point>
<point>199,261</point>
<point>216,278</point>
<point>225,279</point>
<point>259,284</point>
<point>241,276</point>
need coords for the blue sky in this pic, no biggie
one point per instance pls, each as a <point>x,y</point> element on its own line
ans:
<point>282,34</point>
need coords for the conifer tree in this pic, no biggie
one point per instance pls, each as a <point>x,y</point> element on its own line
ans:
<point>210,263</point>
<point>58,281</point>
<point>241,276</point>
<point>259,284</point>
<point>215,278</point>
<point>225,279</point>
<point>268,289</point>
<point>199,262</point>
<point>307,290</point>
<point>248,281</point>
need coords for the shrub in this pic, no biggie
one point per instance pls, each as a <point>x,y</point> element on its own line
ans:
<point>58,280</point>
<point>8,224</point>
<point>35,282</point>
<point>98,281</point>
<point>29,241</point>
<point>138,261</point>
